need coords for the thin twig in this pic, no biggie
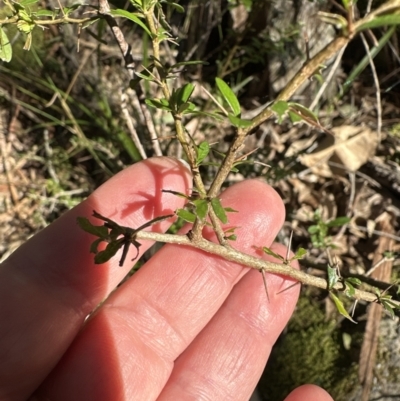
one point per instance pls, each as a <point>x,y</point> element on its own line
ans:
<point>251,261</point>
<point>377,87</point>
<point>130,125</point>
<point>328,79</point>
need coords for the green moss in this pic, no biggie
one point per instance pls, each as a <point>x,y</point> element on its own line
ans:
<point>311,351</point>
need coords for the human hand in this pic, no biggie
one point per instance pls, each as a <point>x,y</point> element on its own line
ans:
<point>187,326</point>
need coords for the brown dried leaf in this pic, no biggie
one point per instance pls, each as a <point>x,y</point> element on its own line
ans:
<point>350,147</point>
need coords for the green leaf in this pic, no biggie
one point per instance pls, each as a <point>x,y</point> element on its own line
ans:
<point>219,210</point>
<point>86,225</point>
<point>229,96</point>
<point>95,245</point>
<point>332,276</point>
<point>337,20</point>
<point>230,210</point>
<point>232,237</point>
<point>72,8</point>
<point>300,253</point>
<point>186,108</point>
<point>185,92</point>
<point>5,47</point>
<point>302,111</point>
<point>27,2</point>
<point>186,215</point>
<point>179,194</point>
<point>131,16</point>
<point>295,118</point>
<point>201,208</point>
<point>111,249</point>
<point>44,13</point>
<point>388,308</point>
<point>25,26</point>
<point>357,70</point>
<point>339,221</point>
<point>384,20</point>
<point>280,108</point>
<point>239,122</point>
<point>202,152</point>
<point>349,291</point>
<point>346,4</point>
<point>272,253</point>
<point>340,307</point>
<point>158,104</point>
<point>177,7</point>
<point>353,281</point>
<point>215,115</point>
<point>313,229</point>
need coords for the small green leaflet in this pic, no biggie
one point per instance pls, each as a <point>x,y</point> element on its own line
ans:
<point>202,152</point>
<point>186,215</point>
<point>44,13</point>
<point>280,108</point>
<point>115,236</point>
<point>186,108</point>
<point>340,307</point>
<point>201,208</point>
<point>300,110</point>
<point>229,96</point>
<point>179,194</point>
<point>27,2</point>
<point>239,122</point>
<point>5,47</point>
<point>353,280</point>
<point>294,117</point>
<point>219,210</point>
<point>111,249</point>
<point>176,6</point>
<point>270,252</point>
<point>162,104</point>
<point>230,210</point>
<point>350,290</point>
<point>185,92</point>
<point>338,222</point>
<point>300,253</point>
<point>346,4</point>
<point>98,231</point>
<point>384,20</point>
<point>131,16</point>
<point>333,277</point>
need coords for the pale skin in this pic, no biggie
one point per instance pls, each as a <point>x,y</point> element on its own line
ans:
<point>187,326</point>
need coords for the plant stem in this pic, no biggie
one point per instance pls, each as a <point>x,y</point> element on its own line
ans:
<point>233,255</point>
<point>182,137</point>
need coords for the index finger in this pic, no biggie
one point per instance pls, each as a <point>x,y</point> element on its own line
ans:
<point>50,284</point>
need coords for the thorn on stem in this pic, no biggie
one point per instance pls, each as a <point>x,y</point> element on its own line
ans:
<point>288,288</point>
<point>289,247</point>
<point>265,283</point>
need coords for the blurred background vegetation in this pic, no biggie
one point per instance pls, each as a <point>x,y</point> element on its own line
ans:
<point>67,118</point>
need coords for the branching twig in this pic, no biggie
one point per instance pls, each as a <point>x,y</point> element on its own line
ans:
<point>251,261</point>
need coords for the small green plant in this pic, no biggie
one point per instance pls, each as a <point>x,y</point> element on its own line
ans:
<point>175,98</point>
<point>320,229</point>
<point>204,208</point>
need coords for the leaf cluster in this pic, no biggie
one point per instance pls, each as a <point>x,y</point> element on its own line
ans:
<point>319,230</point>
<point>117,237</point>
